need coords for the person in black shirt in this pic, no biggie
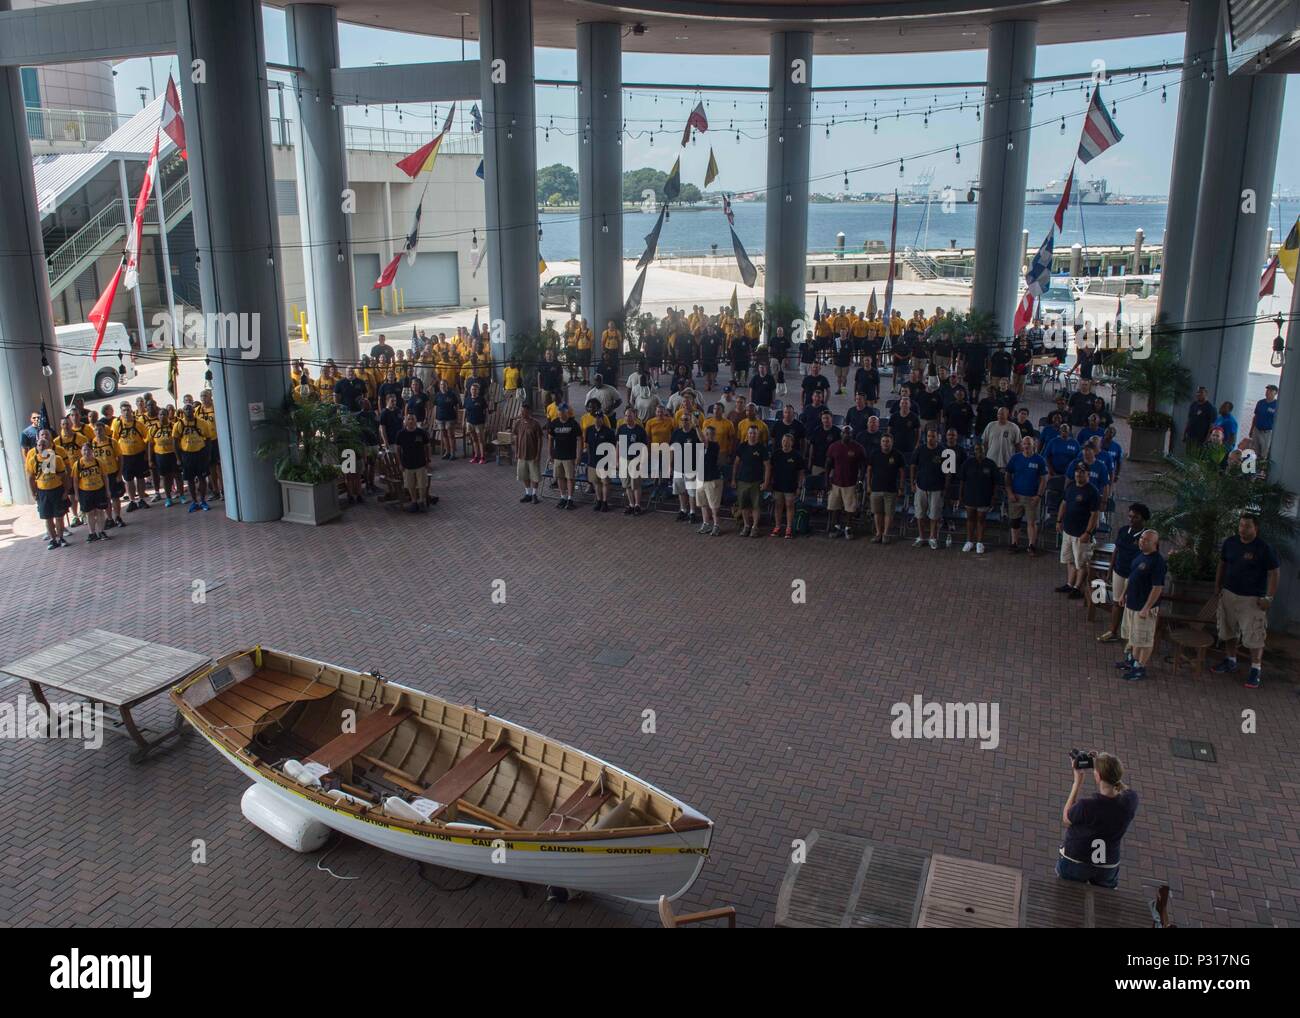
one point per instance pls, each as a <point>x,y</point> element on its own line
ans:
<point>1126,550</point>
<point>859,413</point>
<point>418,402</point>
<point>866,380</point>
<point>842,358</point>
<point>1246,581</point>
<point>564,437</point>
<point>550,377</point>
<point>1000,363</point>
<point>348,391</point>
<point>974,357</point>
<point>885,478</point>
<point>787,424</point>
<point>1200,419</point>
<point>368,425</point>
<point>785,474</point>
<point>952,477</point>
<point>599,440</point>
<point>905,427</point>
<point>1076,521</point>
<point>820,439</point>
<point>815,381</point>
<point>476,409</point>
<point>684,442</point>
<point>391,386</point>
<point>390,421</point>
<point>811,415</point>
<point>1082,404</point>
<point>1146,582</point>
<point>986,411</point>
<point>959,416</point>
<point>414,453</point>
<point>710,343</point>
<point>1022,357</point>
<point>928,482</point>
<point>980,478</point>
<point>762,387</point>
<point>710,494</point>
<point>1095,826</point>
<point>749,476</point>
<point>632,470</point>
<point>445,405</point>
<point>927,405</point>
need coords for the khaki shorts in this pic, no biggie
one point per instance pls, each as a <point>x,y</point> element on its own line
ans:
<point>883,502</point>
<point>563,470</point>
<point>1242,619</point>
<point>1075,552</point>
<point>1118,584</point>
<point>529,471</point>
<point>843,497</point>
<point>748,494</point>
<point>415,480</point>
<point>1137,631</point>
<point>711,493</point>
<point>1021,506</point>
<point>929,504</point>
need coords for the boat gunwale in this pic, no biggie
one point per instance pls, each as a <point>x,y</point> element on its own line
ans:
<point>691,819</point>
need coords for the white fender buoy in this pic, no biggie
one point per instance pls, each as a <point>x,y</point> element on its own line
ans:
<point>290,827</point>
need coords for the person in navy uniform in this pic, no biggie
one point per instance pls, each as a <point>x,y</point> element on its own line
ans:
<point>1246,582</point>
<point>1200,419</point>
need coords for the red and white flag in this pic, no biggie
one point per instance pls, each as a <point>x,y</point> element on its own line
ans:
<point>697,120</point>
<point>1024,313</point>
<point>726,210</point>
<point>1064,203</point>
<point>172,123</point>
<point>1099,130</point>
<point>1269,279</point>
<point>390,272</point>
<point>98,316</point>
<point>136,229</point>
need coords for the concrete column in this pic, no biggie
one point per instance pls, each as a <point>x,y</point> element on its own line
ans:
<point>1076,260</point>
<point>1284,458</point>
<point>227,131</point>
<point>1000,215</point>
<point>789,148</point>
<point>1139,238</point>
<point>321,159</point>
<point>26,326</point>
<point>1242,132</point>
<point>1188,157</point>
<point>509,169</point>
<point>1024,249</point>
<point>600,172</point>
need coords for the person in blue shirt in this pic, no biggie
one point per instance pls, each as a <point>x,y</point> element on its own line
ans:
<point>1146,582</point>
<point>1026,481</point>
<point>1098,471</point>
<point>1121,564</point>
<point>1092,430</point>
<point>1261,424</point>
<point>1246,583</point>
<point>1061,451</point>
<point>1113,453</point>
<point>1226,423</point>
<point>1049,429</point>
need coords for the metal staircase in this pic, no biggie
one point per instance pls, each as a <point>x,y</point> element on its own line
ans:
<point>105,228</point>
<point>921,264</point>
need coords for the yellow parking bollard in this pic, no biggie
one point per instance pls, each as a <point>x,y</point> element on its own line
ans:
<point>365,319</point>
<point>294,310</point>
<point>302,326</point>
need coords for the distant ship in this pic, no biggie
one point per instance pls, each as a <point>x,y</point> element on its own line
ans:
<point>1089,192</point>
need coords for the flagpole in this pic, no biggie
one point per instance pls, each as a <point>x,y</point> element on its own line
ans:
<point>166,257</point>
<point>127,222</point>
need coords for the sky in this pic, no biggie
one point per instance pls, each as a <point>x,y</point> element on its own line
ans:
<point>1140,165</point>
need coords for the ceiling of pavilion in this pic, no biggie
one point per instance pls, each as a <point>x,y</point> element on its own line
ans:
<point>840,26</point>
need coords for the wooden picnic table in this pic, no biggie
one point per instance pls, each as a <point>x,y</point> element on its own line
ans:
<point>111,670</point>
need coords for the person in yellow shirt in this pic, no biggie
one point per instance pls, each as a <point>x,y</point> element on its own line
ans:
<point>67,443</point>
<point>92,491</point>
<point>751,419</point>
<point>163,453</point>
<point>840,321</point>
<point>104,449</point>
<point>611,342</point>
<point>131,437</point>
<point>513,378</point>
<point>581,366</point>
<point>47,473</point>
<point>192,434</point>
<point>208,411</point>
<point>724,433</point>
<point>659,428</point>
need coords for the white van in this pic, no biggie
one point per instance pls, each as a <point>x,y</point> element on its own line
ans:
<point>82,375</point>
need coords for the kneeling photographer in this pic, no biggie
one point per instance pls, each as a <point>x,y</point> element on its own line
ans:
<point>1096,824</point>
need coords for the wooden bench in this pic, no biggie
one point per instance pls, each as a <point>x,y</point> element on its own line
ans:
<point>372,727</point>
<point>578,808</point>
<point>242,710</point>
<point>1192,632</point>
<point>465,774</point>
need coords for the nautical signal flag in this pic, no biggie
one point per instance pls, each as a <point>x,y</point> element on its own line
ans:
<point>735,302</point>
<point>98,316</point>
<point>633,304</point>
<point>697,120</point>
<point>479,172</point>
<point>711,174</point>
<point>476,120</point>
<point>137,221</point>
<point>390,272</point>
<point>727,211</point>
<point>173,125</point>
<point>652,241</point>
<point>421,159</point>
<point>871,305</point>
<point>747,271</point>
<point>673,185</point>
<point>174,376</point>
<point>1286,256</point>
<point>1099,130</point>
<point>1268,280</point>
<point>541,266</point>
<point>413,238</point>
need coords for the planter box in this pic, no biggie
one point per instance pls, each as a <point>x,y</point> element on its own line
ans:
<point>312,504</point>
<point>1123,402</point>
<point>1148,445</point>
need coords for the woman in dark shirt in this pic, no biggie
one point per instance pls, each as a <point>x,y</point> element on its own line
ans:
<point>1095,826</point>
<point>445,404</point>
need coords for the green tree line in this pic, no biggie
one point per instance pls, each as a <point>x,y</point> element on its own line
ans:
<point>557,184</point>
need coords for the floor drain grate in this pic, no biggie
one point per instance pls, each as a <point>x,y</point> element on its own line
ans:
<point>614,658</point>
<point>1193,749</point>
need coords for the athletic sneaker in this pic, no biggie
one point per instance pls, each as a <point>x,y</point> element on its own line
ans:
<point>1135,674</point>
<point>194,507</point>
<point>979,547</point>
<point>789,534</point>
<point>776,532</point>
<point>848,533</point>
<point>744,531</point>
<point>1225,667</point>
<point>1064,588</point>
<point>1075,594</point>
<point>1109,636</point>
<point>599,507</point>
<point>560,504</point>
<point>716,531</point>
<point>1252,680</point>
<point>110,523</point>
<point>754,532</point>
<point>934,543</point>
<point>131,507</point>
<point>167,504</point>
<point>51,545</point>
<point>704,528</point>
<point>1127,664</point>
<point>682,517</point>
<point>918,542</point>
<point>968,546</point>
<point>569,505</point>
<point>91,537</point>
<point>143,504</point>
<point>204,506</point>
<point>526,498</point>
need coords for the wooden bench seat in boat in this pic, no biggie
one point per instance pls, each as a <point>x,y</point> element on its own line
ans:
<point>578,808</point>
<point>463,776</point>
<point>242,710</point>
<point>374,726</point>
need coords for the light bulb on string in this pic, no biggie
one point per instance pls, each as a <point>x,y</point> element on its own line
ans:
<point>1163,96</point>
<point>270,257</point>
<point>788,196</point>
<point>46,369</point>
<point>340,253</point>
<point>958,153</point>
<point>1063,125</point>
<point>473,239</point>
<point>1010,145</point>
<point>604,223</point>
<point>900,166</point>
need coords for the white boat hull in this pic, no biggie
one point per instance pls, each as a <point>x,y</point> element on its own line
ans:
<point>634,868</point>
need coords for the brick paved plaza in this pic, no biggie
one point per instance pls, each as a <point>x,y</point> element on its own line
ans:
<point>772,718</point>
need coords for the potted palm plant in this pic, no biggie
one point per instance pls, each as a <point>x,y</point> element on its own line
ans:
<point>1157,373</point>
<point>311,443</point>
<point>1203,503</point>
